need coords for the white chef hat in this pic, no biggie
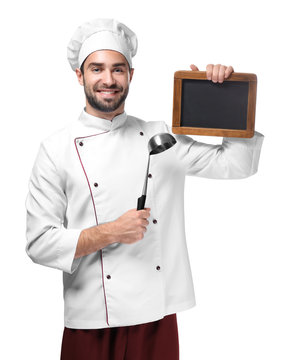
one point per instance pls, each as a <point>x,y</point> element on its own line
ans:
<point>101,34</point>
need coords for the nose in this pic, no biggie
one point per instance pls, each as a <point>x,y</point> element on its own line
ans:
<point>108,78</point>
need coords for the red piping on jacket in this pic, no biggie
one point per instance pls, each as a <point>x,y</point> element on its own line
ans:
<point>101,256</point>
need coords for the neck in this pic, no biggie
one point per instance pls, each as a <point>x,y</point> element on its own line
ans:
<point>104,115</point>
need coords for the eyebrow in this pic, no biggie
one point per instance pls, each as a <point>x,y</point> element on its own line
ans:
<point>101,64</point>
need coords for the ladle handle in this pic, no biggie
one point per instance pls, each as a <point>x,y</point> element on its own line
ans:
<point>141,202</point>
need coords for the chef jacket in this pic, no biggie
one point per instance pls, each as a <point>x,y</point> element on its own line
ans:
<point>90,173</point>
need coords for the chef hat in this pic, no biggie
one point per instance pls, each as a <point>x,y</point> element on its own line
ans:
<point>101,34</point>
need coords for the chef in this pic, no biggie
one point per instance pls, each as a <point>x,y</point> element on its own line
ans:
<point>126,273</point>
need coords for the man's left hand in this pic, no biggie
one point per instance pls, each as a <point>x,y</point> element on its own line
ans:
<point>216,73</point>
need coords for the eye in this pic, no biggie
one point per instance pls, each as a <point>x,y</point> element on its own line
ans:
<point>118,70</point>
<point>95,70</point>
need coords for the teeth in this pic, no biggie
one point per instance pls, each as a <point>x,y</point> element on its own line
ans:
<point>107,92</point>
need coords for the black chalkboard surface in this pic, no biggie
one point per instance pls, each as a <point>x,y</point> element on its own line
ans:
<point>202,107</point>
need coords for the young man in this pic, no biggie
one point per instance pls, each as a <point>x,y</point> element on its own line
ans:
<point>126,273</point>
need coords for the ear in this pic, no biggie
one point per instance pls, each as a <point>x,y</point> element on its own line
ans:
<point>131,74</point>
<point>79,76</point>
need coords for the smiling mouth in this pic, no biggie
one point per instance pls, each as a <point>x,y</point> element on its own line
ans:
<point>108,93</point>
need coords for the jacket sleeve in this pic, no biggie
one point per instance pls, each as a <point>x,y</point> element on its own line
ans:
<point>49,242</point>
<point>235,158</point>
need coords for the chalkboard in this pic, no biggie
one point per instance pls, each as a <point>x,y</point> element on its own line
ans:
<point>201,107</point>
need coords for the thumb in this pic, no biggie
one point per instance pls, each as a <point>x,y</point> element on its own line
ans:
<point>194,67</point>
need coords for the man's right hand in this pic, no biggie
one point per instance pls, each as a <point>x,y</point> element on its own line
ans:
<point>127,229</point>
<point>130,227</point>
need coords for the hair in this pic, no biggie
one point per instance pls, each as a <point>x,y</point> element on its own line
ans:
<point>82,67</point>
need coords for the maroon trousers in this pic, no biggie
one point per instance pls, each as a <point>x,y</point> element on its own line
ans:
<point>157,340</point>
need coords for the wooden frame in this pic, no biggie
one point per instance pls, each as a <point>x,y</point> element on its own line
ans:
<point>201,75</point>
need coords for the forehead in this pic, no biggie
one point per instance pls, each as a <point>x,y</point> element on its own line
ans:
<point>107,57</point>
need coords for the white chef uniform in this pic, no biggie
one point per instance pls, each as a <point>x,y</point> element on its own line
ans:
<point>92,172</point>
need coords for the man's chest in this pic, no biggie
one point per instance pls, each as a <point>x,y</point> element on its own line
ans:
<point>108,170</point>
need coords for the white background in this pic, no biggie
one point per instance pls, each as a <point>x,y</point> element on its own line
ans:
<point>233,227</point>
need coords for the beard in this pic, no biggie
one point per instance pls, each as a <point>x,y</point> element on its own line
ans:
<point>105,105</point>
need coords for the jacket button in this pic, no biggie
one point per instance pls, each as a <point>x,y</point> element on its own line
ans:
<point>81,143</point>
<point>149,176</point>
<point>154,221</point>
<point>141,133</point>
<point>108,277</point>
<point>95,184</point>
<point>158,267</point>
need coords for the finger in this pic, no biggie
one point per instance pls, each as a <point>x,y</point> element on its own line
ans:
<point>228,71</point>
<point>144,214</point>
<point>215,73</point>
<point>145,222</point>
<point>209,69</point>
<point>221,73</point>
<point>194,67</point>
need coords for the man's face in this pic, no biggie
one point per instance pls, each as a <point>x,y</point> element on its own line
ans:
<point>106,80</point>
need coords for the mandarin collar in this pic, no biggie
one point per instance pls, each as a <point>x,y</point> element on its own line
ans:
<point>97,123</point>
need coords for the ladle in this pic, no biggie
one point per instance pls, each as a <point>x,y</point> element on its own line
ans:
<point>157,144</point>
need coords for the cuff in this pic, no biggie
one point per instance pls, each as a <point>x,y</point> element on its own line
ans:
<point>66,250</point>
<point>257,139</point>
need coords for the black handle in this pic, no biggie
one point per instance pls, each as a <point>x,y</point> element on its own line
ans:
<point>141,202</point>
